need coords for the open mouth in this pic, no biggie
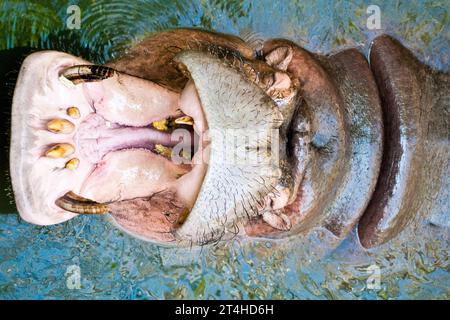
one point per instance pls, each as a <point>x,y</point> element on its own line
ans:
<point>91,140</point>
<point>91,137</point>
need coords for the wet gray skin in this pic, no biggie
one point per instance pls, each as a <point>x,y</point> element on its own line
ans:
<point>413,184</point>
<point>359,144</point>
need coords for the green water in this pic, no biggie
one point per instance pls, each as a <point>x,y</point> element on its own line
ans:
<point>38,262</point>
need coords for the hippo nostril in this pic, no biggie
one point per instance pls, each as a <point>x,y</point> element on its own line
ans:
<point>77,204</point>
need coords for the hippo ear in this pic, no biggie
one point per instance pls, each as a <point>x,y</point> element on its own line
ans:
<point>280,57</point>
<point>243,165</point>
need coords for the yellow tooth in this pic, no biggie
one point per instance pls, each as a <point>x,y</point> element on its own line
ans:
<point>73,112</point>
<point>186,155</point>
<point>164,151</point>
<point>161,125</point>
<point>77,204</point>
<point>164,125</point>
<point>72,164</point>
<point>60,150</point>
<point>60,126</point>
<point>184,120</point>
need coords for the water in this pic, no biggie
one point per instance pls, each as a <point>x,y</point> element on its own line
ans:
<point>88,258</point>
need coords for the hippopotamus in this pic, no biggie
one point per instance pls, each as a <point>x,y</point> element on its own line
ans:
<point>195,137</point>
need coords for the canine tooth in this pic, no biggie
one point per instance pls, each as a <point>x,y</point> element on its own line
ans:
<point>86,73</point>
<point>60,150</point>
<point>73,112</point>
<point>60,126</point>
<point>72,164</point>
<point>164,151</point>
<point>161,125</point>
<point>184,120</point>
<point>77,204</point>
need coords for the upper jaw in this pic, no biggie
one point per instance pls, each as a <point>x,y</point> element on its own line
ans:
<point>37,81</point>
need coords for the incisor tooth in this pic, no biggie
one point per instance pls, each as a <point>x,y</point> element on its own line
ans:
<point>184,120</point>
<point>60,126</point>
<point>72,164</point>
<point>73,112</point>
<point>60,150</point>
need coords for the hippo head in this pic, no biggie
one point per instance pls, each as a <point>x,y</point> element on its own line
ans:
<point>170,162</point>
<point>193,137</point>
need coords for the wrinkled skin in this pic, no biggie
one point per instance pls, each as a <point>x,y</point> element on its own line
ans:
<point>344,143</point>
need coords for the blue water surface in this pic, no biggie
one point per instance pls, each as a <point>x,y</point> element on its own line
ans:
<point>87,258</point>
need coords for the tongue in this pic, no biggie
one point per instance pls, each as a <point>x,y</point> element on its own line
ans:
<point>97,137</point>
<point>129,174</point>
